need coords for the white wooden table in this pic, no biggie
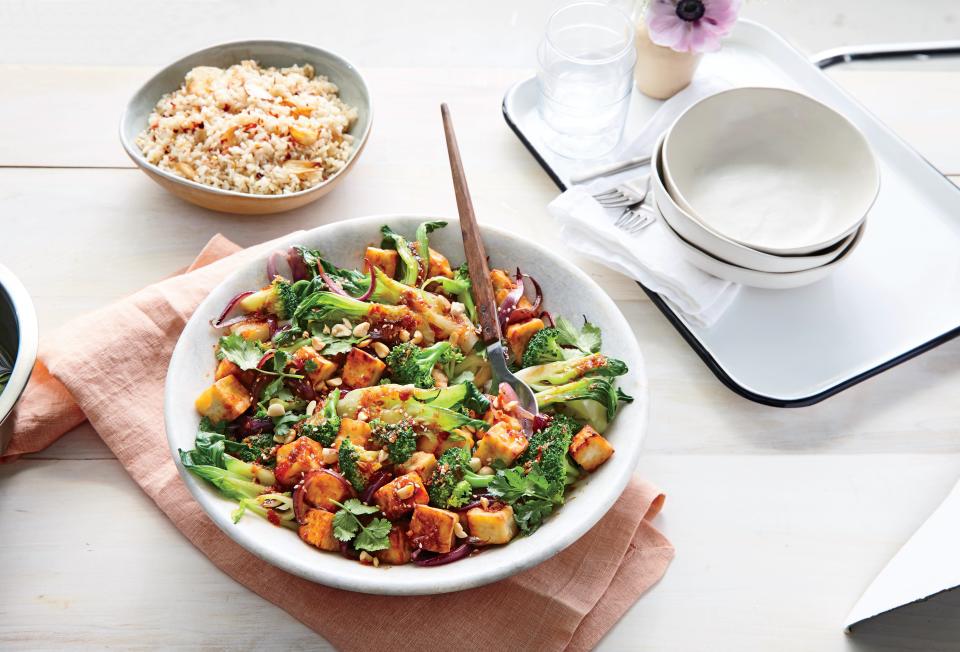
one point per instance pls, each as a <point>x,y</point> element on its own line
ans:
<point>780,518</point>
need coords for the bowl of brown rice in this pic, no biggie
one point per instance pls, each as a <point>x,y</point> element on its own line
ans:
<point>250,127</point>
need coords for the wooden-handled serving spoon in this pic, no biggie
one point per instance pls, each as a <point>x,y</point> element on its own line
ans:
<point>480,279</point>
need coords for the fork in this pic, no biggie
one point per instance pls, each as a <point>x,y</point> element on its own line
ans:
<point>625,194</point>
<point>634,219</point>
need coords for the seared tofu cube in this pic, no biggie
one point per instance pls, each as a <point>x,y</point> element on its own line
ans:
<point>439,265</point>
<point>296,458</point>
<point>226,368</point>
<point>362,369</point>
<point>317,530</point>
<point>589,449</point>
<point>252,330</point>
<point>493,525</point>
<point>502,443</point>
<point>433,529</point>
<point>358,432</point>
<point>518,335</point>
<point>225,400</point>
<point>457,438</point>
<point>385,259</point>
<point>399,496</point>
<point>323,489</point>
<point>399,551</point>
<point>420,463</point>
<point>322,368</point>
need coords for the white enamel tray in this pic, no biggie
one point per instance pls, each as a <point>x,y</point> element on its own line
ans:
<point>897,296</point>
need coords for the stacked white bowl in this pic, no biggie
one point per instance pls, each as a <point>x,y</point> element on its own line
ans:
<point>764,186</point>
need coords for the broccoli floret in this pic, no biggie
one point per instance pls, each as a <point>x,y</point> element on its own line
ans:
<point>548,448</point>
<point>453,481</point>
<point>411,365</point>
<point>349,460</point>
<point>592,399</point>
<point>324,425</point>
<point>565,371</point>
<point>279,299</point>
<point>409,267</point>
<point>255,448</point>
<point>542,348</point>
<point>399,438</point>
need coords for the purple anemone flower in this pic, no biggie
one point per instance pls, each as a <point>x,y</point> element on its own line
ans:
<point>691,25</point>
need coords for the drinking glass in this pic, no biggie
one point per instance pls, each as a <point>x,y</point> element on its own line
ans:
<point>585,76</point>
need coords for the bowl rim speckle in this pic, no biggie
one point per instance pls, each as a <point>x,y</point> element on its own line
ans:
<point>133,151</point>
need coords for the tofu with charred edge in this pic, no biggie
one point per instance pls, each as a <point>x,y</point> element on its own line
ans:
<point>399,496</point>
<point>493,524</point>
<point>589,449</point>
<point>400,549</point>
<point>433,529</point>
<point>225,400</point>
<point>362,369</point>
<point>317,530</point>
<point>296,458</point>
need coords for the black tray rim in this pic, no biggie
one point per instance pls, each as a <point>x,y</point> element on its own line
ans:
<point>824,60</point>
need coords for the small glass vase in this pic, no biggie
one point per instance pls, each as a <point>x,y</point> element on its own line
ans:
<point>660,72</point>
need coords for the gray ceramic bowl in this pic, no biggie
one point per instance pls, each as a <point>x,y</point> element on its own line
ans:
<point>18,339</point>
<point>353,91</point>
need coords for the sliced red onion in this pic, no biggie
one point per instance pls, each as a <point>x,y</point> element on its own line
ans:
<point>332,285</point>
<point>421,557</point>
<point>375,483</point>
<point>266,358</point>
<point>302,388</point>
<point>524,416</point>
<point>218,322</point>
<point>510,301</point>
<point>300,506</point>
<point>347,551</point>
<point>373,282</point>
<point>547,318</point>
<point>272,264</point>
<point>525,314</point>
<point>254,426</point>
<point>298,268</point>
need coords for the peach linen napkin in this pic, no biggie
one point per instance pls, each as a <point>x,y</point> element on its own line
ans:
<point>109,367</point>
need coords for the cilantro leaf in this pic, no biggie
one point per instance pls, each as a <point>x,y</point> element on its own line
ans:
<point>375,536</point>
<point>371,537</point>
<point>345,525</point>
<point>586,339</point>
<point>334,345</point>
<point>310,366</point>
<point>354,506</point>
<point>243,353</point>
<point>282,424</point>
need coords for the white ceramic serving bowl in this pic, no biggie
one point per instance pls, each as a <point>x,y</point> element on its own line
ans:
<point>352,88</point>
<point>567,291</point>
<point>768,280</point>
<point>771,169</point>
<point>19,338</point>
<point>723,248</point>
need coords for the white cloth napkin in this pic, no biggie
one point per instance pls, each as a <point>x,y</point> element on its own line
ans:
<point>651,255</point>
